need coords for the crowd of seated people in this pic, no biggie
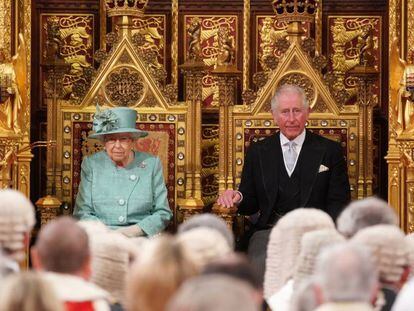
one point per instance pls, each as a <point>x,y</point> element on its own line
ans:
<point>361,261</point>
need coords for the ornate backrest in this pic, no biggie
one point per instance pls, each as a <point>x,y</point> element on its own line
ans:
<point>328,118</point>
<point>123,80</point>
<point>165,140</point>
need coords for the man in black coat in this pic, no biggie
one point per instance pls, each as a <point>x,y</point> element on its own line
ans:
<point>290,169</point>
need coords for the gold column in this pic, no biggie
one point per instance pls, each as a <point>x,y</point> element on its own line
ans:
<point>174,43</point>
<point>246,44</point>
<point>400,156</point>
<point>227,82</point>
<point>192,204</point>
<point>367,77</point>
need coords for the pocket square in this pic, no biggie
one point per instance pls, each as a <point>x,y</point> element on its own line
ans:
<point>323,168</point>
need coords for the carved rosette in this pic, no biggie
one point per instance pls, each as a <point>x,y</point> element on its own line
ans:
<point>124,87</point>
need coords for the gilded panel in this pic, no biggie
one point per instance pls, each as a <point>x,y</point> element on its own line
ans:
<point>5,25</point>
<point>209,162</point>
<point>152,29</point>
<point>71,37</point>
<point>209,27</point>
<point>268,31</point>
<point>354,41</point>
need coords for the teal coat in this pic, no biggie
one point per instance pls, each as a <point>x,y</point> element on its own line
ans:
<point>121,197</point>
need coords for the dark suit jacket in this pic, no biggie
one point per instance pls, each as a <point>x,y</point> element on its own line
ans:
<point>328,190</point>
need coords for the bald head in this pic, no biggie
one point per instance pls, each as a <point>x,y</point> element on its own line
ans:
<point>62,246</point>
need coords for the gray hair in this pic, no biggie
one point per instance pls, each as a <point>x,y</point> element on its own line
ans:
<point>389,249</point>
<point>289,89</point>
<point>17,218</point>
<point>364,213</point>
<point>213,292</point>
<point>210,221</point>
<point>345,272</point>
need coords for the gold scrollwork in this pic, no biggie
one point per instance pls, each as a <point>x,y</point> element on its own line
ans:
<point>125,87</point>
<point>152,30</point>
<point>202,37</point>
<point>270,32</point>
<point>355,42</point>
<point>70,37</point>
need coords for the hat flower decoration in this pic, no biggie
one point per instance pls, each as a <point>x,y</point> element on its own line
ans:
<point>114,121</point>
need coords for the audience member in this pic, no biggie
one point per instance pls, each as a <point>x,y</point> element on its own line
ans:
<point>204,245</point>
<point>311,244</point>
<point>112,254</point>
<point>346,278</point>
<point>284,246</point>
<point>304,296</point>
<point>364,213</point>
<point>28,291</point>
<point>162,266</point>
<point>210,221</point>
<point>239,267</point>
<point>17,218</point>
<point>62,251</point>
<point>390,251</point>
<point>213,292</point>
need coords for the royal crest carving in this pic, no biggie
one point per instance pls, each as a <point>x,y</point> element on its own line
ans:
<point>124,87</point>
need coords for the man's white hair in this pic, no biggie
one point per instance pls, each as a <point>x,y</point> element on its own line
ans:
<point>289,89</point>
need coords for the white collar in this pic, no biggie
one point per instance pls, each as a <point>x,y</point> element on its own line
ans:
<point>298,139</point>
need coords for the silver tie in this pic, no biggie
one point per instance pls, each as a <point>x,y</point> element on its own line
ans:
<point>290,155</point>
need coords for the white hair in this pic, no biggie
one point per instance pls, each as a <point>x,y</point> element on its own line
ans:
<point>289,89</point>
<point>364,213</point>
<point>17,218</point>
<point>389,250</point>
<point>208,221</point>
<point>346,273</point>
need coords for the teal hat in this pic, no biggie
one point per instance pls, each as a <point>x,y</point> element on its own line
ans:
<point>115,120</point>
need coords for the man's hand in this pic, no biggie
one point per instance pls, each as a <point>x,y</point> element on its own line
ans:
<point>228,198</point>
<point>131,231</point>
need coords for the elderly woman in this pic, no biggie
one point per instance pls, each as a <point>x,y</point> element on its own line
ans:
<point>121,187</point>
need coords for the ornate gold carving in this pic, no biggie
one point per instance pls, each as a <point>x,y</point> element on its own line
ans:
<point>125,58</point>
<point>194,40</point>
<point>320,107</point>
<point>69,37</point>
<point>246,44</point>
<point>8,156</point>
<point>295,10</point>
<point>249,96</point>
<point>13,90</point>
<point>125,7</point>
<point>124,87</point>
<point>5,26</point>
<point>174,43</point>
<point>260,79</point>
<point>402,100</point>
<point>171,93</point>
<point>202,34</point>
<point>225,56</point>
<point>151,40</point>
<point>268,36</point>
